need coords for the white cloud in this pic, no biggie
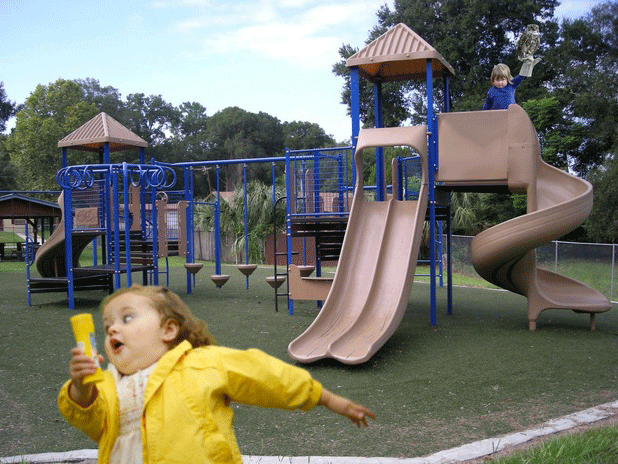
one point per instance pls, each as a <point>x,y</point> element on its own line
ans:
<point>307,34</point>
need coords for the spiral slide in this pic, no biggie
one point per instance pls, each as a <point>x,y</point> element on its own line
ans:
<point>503,145</point>
<point>486,151</point>
<point>372,283</point>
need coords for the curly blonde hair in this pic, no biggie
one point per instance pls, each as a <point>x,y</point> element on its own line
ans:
<point>501,70</point>
<point>170,307</point>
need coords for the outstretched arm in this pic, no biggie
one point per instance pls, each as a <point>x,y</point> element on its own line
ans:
<point>355,412</point>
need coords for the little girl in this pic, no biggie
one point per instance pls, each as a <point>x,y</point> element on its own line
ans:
<point>166,396</point>
<point>501,94</point>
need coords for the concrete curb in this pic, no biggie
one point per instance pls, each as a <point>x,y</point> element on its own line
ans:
<point>467,452</point>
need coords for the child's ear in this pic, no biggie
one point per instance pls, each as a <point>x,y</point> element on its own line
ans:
<point>170,330</point>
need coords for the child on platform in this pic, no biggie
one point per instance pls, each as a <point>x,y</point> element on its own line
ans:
<point>501,94</point>
<point>166,395</point>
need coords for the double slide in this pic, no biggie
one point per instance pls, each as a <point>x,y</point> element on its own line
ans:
<point>488,150</point>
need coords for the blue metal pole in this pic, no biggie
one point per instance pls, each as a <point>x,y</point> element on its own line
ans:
<point>218,226</point>
<point>127,228</point>
<point>274,178</point>
<point>68,245</point>
<point>108,214</point>
<point>432,194</point>
<point>380,171</point>
<point>106,153</point>
<point>155,235</point>
<point>340,182</point>
<point>188,172</point>
<point>116,230</point>
<point>316,182</point>
<point>288,219</point>
<point>355,113</point>
<point>30,256</point>
<point>246,220</point>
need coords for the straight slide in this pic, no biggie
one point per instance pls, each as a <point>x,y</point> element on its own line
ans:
<point>372,283</point>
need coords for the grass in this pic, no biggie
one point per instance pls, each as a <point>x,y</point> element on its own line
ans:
<point>10,237</point>
<point>593,273</point>
<point>595,446</point>
<point>479,373</point>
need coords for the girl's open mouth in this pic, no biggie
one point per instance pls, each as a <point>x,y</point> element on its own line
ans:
<point>116,346</point>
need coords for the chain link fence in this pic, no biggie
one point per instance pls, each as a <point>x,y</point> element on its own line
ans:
<point>591,263</point>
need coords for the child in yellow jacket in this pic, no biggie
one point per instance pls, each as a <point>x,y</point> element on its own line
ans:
<point>166,395</point>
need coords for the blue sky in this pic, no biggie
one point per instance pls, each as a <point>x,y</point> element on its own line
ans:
<point>261,55</point>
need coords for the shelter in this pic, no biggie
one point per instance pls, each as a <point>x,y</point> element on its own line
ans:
<point>34,211</point>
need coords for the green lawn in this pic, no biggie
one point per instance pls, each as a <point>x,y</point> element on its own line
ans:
<point>10,237</point>
<point>477,374</point>
<point>595,446</point>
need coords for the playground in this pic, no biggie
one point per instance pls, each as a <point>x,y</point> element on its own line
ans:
<point>479,373</point>
<point>440,366</point>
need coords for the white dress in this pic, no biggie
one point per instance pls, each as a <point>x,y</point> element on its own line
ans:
<point>130,390</point>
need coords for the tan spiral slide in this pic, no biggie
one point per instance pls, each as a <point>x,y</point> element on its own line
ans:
<point>488,150</point>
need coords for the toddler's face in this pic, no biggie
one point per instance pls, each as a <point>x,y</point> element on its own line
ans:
<point>134,337</point>
<point>500,82</point>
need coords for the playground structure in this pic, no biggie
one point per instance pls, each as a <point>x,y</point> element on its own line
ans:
<point>132,214</point>
<point>124,209</point>
<point>471,151</point>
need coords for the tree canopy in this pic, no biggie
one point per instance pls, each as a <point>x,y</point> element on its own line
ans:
<point>174,134</point>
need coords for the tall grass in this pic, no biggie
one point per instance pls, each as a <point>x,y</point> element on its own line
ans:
<point>595,446</point>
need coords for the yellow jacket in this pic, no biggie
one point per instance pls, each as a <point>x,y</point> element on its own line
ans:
<point>187,416</point>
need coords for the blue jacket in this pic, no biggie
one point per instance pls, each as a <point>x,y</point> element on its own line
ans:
<point>500,99</point>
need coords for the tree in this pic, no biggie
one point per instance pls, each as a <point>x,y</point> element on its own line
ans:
<point>107,99</point>
<point>602,224</point>
<point>151,117</point>
<point>234,133</point>
<point>586,83</point>
<point>49,114</point>
<point>7,108</point>
<point>302,135</point>
<point>8,173</point>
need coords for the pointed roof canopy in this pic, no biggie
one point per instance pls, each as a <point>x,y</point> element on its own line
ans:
<point>101,129</point>
<point>399,54</point>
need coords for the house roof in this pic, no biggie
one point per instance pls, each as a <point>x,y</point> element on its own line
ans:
<point>397,55</point>
<point>15,205</point>
<point>101,129</point>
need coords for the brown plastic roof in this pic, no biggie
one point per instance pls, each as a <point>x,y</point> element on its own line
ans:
<point>101,129</point>
<point>397,55</point>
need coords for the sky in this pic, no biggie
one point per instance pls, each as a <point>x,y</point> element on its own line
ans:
<point>274,56</point>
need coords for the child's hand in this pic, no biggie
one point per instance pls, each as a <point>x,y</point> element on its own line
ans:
<point>79,367</point>
<point>355,412</point>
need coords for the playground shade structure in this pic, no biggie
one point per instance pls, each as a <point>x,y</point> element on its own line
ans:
<point>487,150</point>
